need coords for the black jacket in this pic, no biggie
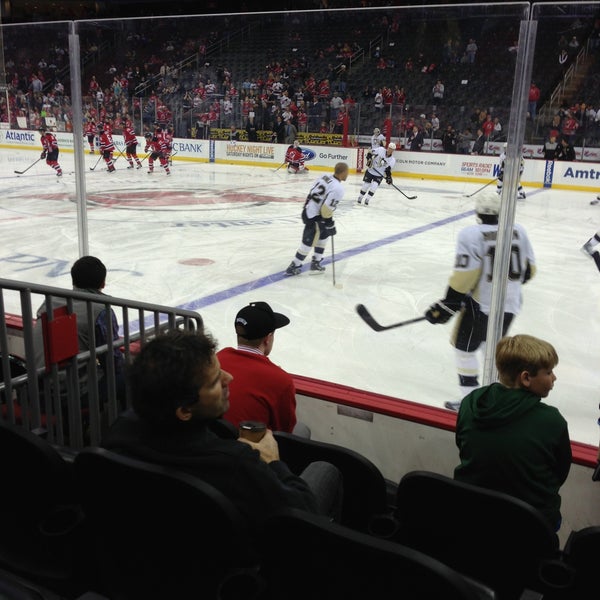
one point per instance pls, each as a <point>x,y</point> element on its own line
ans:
<point>256,488</point>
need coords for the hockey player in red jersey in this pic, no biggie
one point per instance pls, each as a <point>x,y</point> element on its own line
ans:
<point>50,150</point>
<point>90,133</point>
<point>295,159</point>
<point>157,147</point>
<point>131,145</point>
<point>107,147</point>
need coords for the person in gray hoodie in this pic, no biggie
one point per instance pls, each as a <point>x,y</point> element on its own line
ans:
<point>508,439</point>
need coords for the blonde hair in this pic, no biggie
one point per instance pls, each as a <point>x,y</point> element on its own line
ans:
<point>523,353</point>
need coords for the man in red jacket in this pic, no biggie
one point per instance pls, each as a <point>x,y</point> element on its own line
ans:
<point>260,390</point>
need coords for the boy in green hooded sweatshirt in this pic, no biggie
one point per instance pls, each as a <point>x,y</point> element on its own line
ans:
<point>508,439</point>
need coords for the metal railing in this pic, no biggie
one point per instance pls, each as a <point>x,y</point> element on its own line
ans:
<point>74,399</point>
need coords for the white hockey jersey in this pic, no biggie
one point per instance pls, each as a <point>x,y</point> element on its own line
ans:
<point>324,196</point>
<point>377,141</point>
<point>473,269</point>
<point>380,162</point>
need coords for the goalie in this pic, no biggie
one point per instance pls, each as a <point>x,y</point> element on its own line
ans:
<point>380,163</point>
<point>295,159</point>
<point>470,288</point>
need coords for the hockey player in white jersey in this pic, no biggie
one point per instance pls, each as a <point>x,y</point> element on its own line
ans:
<point>377,139</point>
<point>380,162</point>
<point>470,287</point>
<point>317,216</point>
<point>500,183</point>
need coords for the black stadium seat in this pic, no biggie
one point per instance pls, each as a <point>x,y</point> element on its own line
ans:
<point>365,489</point>
<point>496,538</point>
<point>307,556</point>
<point>157,533</point>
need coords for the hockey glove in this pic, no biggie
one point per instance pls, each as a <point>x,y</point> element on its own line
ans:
<point>388,176</point>
<point>330,227</point>
<point>439,313</point>
<point>369,159</point>
<point>444,310</point>
<point>43,155</point>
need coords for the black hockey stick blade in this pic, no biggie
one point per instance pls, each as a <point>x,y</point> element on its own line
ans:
<point>367,317</point>
<point>406,196</point>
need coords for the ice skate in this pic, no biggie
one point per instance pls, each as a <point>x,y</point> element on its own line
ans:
<point>293,269</point>
<point>359,201</point>
<point>521,196</point>
<point>316,266</point>
<point>596,201</point>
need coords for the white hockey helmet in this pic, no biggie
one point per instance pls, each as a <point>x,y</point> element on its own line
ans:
<point>392,146</point>
<point>487,202</point>
<point>376,131</point>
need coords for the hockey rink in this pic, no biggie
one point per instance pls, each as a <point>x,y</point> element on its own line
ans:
<point>213,237</point>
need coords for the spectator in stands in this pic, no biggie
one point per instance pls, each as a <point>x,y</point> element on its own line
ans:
<point>260,390</point>
<point>251,129</point>
<point>449,140</point>
<point>565,150</point>
<point>550,147</point>
<point>464,141</point>
<point>88,274</point>
<point>290,132</point>
<point>573,46</point>
<point>438,92</point>
<point>415,140</point>
<point>569,127</point>
<point>234,134</point>
<point>534,98</point>
<point>563,58</point>
<point>497,133</point>
<point>179,393</point>
<point>508,439</point>
<point>488,126</point>
<point>278,134</point>
<point>471,51</point>
<point>479,143</point>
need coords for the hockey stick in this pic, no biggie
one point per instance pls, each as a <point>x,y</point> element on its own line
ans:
<point>279,167</point>
<point>336,285</point>
<point>366,316</point>
<point>29,167</point>
<point>99,159</point>
<point>395,186</point>
<point>479,190</point>
<point>409,197</point>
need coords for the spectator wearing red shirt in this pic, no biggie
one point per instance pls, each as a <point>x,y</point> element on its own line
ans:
<point>488,126</point>
<point>260,390</point>
<point>534,97</point>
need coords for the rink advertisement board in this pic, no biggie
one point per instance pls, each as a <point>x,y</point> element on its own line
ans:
<point>581,175</point>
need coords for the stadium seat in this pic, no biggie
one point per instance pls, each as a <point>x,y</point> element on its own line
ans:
<point>581,552</point>
<point>158,533</point>
<point>42,523</point>
<point>307,556</point>
<point>365,489</point>
<point>496,538</point>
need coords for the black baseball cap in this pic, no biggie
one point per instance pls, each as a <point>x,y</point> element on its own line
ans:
<point>257,320</point>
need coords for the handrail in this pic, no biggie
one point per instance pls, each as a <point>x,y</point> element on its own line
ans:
<point>75,398</point>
